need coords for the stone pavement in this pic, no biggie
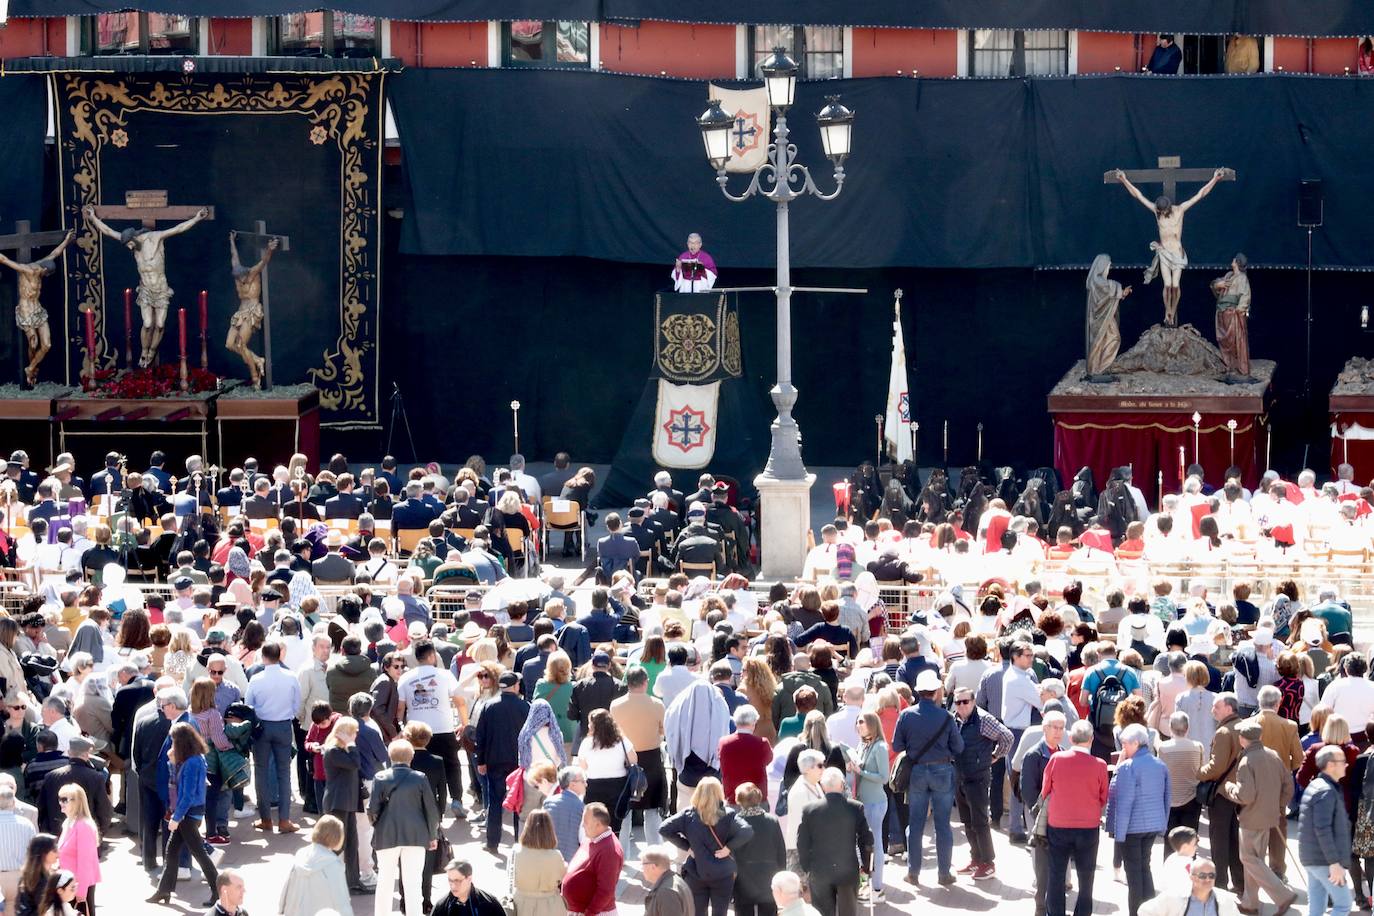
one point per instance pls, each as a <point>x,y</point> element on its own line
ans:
<point>265,861</point>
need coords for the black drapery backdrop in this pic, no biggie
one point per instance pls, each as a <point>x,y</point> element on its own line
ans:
<point>945,173</point>
<point>569,338</point>
<point>1249,17</point>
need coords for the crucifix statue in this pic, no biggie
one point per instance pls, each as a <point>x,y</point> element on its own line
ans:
<point>30,316</point>
<point>251,284</point>
<point>1170,258</point>
<point>154,295</point>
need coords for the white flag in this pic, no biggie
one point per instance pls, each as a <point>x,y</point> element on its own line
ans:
<point>749,136</point>
<point>897,425</point>
<point>685,424</point>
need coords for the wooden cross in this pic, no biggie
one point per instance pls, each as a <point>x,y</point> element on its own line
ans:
<point>1169,174</point>
<point>149,208</point>
<point>24,241</point>
<point>259,238</point>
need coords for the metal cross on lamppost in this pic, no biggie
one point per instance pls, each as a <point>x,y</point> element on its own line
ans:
<point>782,179</point>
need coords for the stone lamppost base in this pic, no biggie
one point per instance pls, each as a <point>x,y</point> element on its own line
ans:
<point>785,507</point>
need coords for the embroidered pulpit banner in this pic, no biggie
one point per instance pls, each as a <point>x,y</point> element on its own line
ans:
<point>301,152</point>
<point>696,337</point>
<point>685,424</point>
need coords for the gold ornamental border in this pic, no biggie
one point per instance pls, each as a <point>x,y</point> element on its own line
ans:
<point>691,347</point>
<point>336,104</point>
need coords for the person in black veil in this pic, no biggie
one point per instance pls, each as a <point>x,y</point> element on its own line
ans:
<point>865,491</point>
<point>910,477</point>
<point>1062,515</point>
<point>1116,508</point>
<point>1084,495</point>
<point>935,498</point>
<point>896,505</point>
<point>1006,485</point>
<point>1031,502</point>
<point>975,506</point>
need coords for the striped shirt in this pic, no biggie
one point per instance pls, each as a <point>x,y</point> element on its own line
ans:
<point>15,834</point>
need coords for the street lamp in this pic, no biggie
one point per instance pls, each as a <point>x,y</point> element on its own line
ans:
<point>781,180</point>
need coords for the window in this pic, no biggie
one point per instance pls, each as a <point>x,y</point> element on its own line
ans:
<point>326,33</point>
<point>546,43</point>
<point>818,50</point>
<point>1013,52</point>
<point>1205,54</point>
<point>140,33</point>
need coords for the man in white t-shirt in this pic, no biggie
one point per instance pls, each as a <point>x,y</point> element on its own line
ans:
<point>431,695</point>
<point>1352,696</point>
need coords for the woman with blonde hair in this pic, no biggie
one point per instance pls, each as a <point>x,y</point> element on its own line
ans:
<point>181,653</point>
<point>78,848</point>
<point>343,789</point>
<point>317,881</point>
<point>712,833</point>
<point>537,868</point>
<point>187,759</point>
<point>556,688</point>
<point>757,683</point>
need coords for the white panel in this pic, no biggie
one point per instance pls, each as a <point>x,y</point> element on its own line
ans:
<point>1073,52</point>
<point>386,38</point>
<point>259,36</point>
<point>1268,54</point>
<point>203,27</point>
<point>73,36</point>
<point>594,45</point>
<point>493,43</point>
<point>961,52</point>
<point>848,53</point>
<point>741,52</point>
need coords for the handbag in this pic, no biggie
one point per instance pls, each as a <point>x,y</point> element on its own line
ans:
<point>694,770</point>
<point>515,791</point>
<point>1207,790</point>
<point>636,784</point>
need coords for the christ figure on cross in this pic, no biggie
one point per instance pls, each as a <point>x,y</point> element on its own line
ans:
<point>1170,258</point>
<point>154,295</point>
<point>32,317</point>
<point>248,283</point>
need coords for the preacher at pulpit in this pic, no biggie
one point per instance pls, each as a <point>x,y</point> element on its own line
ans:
<point>694,271</point>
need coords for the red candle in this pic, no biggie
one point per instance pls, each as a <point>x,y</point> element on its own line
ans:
<point>181,324</point>
<point>204,310</point>
<point>90,337</point>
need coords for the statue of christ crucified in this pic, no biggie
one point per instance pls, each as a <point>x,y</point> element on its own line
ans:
<point>1170,258</point>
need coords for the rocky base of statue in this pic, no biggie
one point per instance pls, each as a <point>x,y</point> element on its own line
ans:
<point>1356,379</point>
<point>1171,351</point>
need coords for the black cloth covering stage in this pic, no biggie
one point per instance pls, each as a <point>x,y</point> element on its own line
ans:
<point>945,173</point>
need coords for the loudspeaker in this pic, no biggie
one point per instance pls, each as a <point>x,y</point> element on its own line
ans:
<point>1310,202</point>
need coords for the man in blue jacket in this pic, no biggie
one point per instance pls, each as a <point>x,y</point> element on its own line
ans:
<point>1138,810</point>
<point>930,736</point>
<point>1324,835</point>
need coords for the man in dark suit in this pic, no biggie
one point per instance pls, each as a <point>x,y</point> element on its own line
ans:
<point>699,542</point>
<point>719,512</point>
<point>498,748</point>
<point>25,481</point>
<point>333,567</point>
<point>404,813</point>
<point>260,504</point>
<point>616,549</point>
<point>135,689</point>
<point>663,483</point>
<point>346,504</point>
<point>646,536</point>
<point>47,505</point>
<point>231,497</point>
<point>412,512</point>
<point>109,480</point>
<point>834,844</point>
<point>88,776</point>
<point>155,462</point>
<point>466,511</point>
<point>705,485</point>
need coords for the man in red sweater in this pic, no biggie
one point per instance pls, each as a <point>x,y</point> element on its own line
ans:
<point>1075,788</point>
<point>589,885</point>
<point>744,756</point>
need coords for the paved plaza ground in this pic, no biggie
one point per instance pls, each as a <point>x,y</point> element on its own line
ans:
<point>265,861</point>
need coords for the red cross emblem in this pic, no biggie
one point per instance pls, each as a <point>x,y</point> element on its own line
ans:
<point>686,429</point>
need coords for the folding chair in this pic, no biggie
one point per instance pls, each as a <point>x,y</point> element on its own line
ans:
<point>563,515</point>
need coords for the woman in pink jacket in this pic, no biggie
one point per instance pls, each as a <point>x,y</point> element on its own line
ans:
<point>78,848</point>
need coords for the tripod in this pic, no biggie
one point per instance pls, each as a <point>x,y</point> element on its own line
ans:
<point>398,412</point>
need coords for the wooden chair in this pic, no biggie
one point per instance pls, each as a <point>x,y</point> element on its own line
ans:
<point>698,569</point>
<point>264,524</point>
<point>466,534</point>
<point>562,515</point>
<point>516,538</point>
<point>407,539</point>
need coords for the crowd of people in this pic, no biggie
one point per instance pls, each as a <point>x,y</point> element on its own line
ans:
<point>779,751</point>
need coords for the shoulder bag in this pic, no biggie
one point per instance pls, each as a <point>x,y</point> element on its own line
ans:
<point>900,778</point>
<point>636,784</point>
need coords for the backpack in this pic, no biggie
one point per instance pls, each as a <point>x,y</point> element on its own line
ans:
<point>1109,694</point>
<point>1246,664</point>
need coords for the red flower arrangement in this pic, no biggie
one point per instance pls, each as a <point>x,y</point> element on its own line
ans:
<point>153,382</point>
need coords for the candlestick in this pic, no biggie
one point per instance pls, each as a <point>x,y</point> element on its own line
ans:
<point>980,441</point>
<point>90,347</point>
<point>946,443</point>
<point>1345,446</point>
<point>204,326</point>
<point>181,329</point>
<point>915,451</point>
<point>878,420</point>
<point>1268,441</point>
<point>128,327</point>
<point>1159,494</point>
